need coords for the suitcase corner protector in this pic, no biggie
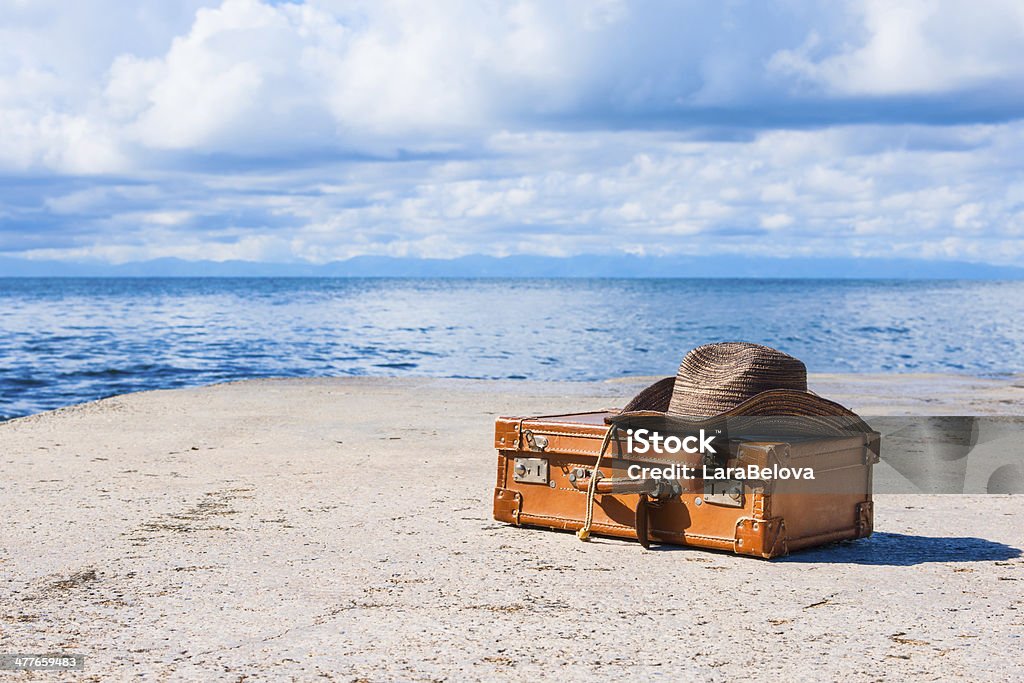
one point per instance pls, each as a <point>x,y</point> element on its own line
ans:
<point>764,538</point>
<point>865,520</point>
<point>507,505</point>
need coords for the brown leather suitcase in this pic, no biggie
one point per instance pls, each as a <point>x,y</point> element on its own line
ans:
<point>544,465</point>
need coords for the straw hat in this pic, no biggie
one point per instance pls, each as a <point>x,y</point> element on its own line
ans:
<point>735,379</point>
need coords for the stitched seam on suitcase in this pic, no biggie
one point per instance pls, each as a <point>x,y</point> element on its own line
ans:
<point>571,435</point>
<point>824,534</point>
<point>533,515</point>
<point>572,451</point>
<point>577,435</point>
<point>502,471</point>
<point>591,453</point>
<point>526,517</point>
<point>683,534</point>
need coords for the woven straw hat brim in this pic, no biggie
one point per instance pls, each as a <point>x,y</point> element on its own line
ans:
<point>793,409</point>
<point>656,397</point>
<point>779,402</point>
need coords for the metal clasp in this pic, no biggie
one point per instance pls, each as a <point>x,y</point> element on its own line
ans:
<point>536,442</point>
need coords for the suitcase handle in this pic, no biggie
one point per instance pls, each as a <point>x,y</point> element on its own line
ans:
<point>656,488</point>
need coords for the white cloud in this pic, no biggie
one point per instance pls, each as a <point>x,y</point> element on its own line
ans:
<point>61,142</point>
<point>246,129</point>
<point>54,57</point>
<point>647,192</point>
<point>915,46</point>
<point>250,78</point>
<point>969,217</point>
<point>776,220</point>
<point>374,75</point>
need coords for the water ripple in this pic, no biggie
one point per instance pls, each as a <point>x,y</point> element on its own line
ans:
<point>64,341</point>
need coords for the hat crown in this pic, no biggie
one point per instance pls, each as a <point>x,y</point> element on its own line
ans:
<point>715,378</point>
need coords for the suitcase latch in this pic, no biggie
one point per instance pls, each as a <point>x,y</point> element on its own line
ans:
<point>727,492</point>
<point>530,470</point>
<point>536,442</point>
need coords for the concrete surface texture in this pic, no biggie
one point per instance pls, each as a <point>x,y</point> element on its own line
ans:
<point>286,529</point>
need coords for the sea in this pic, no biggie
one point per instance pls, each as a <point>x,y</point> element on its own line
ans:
<point>66,341</point>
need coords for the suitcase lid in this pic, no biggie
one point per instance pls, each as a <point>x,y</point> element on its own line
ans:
<point>515,432</point>
<point>582,433</point>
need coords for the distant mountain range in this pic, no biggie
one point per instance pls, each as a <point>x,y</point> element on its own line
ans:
<point>621,266</point>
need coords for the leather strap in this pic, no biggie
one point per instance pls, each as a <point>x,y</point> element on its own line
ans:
<point>657,489</point>
<point>661,490</point>
<point>643,522</point>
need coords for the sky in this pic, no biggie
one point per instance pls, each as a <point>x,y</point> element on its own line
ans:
<point>323,130</point>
